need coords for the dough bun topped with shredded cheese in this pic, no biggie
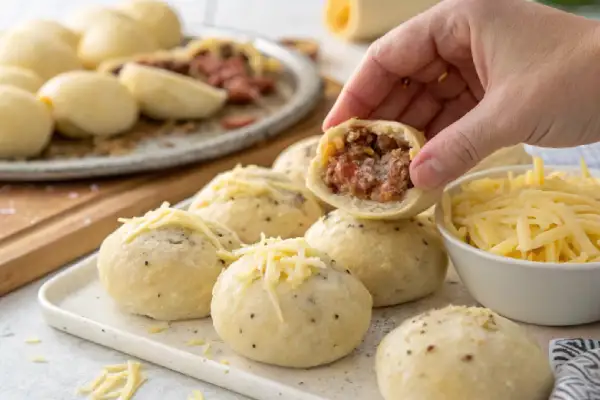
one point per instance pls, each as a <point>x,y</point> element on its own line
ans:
<point>398,261</point>
<point>164,265</point>
<point>535,216</point>
<point>390,194</point>
<point>295,159</point>
<point>466,353</point>
<point>283,303</point>
<point>252,200</point>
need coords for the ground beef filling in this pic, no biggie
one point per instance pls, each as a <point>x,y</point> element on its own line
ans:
<point>225,70</point>
<point>370,167</point>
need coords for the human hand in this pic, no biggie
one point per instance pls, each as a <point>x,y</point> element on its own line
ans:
<point>479,75</point>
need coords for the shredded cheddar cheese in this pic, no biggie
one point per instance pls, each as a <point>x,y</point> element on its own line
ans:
<point>196,342</point>
<point>158,329</point>
<point>535,216</point>
<point>275,260</point>
<point>196,395</point>
<point>32,340</point>
<point>39,360</point>
<point>115,382</point>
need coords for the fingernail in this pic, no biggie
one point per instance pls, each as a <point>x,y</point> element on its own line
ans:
<point>429,174</point>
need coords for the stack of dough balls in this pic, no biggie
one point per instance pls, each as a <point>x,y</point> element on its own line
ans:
<point>398,261</point>
<point>86,103</point>
<point>253,200</point>
<point>283,303</point>
<point>164,265</point>
<point>465,353</point>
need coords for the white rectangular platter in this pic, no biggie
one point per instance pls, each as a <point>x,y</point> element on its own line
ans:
<point>75,302</point>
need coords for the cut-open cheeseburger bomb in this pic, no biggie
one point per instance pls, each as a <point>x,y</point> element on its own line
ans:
<point>362,167</point>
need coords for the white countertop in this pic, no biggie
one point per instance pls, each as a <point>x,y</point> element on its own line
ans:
<point>72,362</point>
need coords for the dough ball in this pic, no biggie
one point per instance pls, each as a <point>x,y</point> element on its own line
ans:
<point>164,95</point>
<point>21,78</point>
<point>82,19</point>
<point>253,200</point>
<point>292,310</point>
<point>165,270</point>
<point>114,37</point>
<point>294,160</point>
<point>158,18</point>
<point>44,55</point>
<point>86,103</point>
<point>51,29</point>
<point>398,261</point>
<point>26,126</point>
<point>465,353</point>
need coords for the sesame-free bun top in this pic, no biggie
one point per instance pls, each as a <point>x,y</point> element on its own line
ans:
<point>20,77</point>
<point>414,201</point>
<point>158,17</point>
<point>50,28</point>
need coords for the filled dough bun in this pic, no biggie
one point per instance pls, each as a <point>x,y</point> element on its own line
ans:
<point>26,125</point>
<point>164,265</point>
<point>398,261</point>
<point>294,160</point>
<point>44,55</point>
<point>158,18</point>
<point>21,78</point>
<point>362,167</point>
<point>51,29</point>
<point>159,57</point>
<point>253,200</point>
<point>465,353</point>
<point>166,95</point>
<point>87,103</point>
<point>114,37</point>
<point>85,17</point>
<point>282,303</point>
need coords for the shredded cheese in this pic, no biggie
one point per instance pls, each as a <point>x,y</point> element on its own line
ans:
<point>158,328</point>
<point>115,382</point>
<point>32,340</point>
<point>196,342</point>
<point>196,395</point>
<point>535,216</point>
<point>39,359</point>
<point>274,260</point>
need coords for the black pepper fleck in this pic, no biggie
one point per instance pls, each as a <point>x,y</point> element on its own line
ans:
<point>158,295</point>
<point>146,263</point>
<point>467,357</point>
<point>268,219</point>
<point>361,226</point>
<point>103,331</point>
<point>240,331</point>
<point>253,346</point>
<point>425,242</point>
<point>348,271</point>
<point>222,262</point>
<point>397,229</point>
<point>313,320</point>
<point>219,234</point>
<point>422,332</point>
<point>430,348</point>
<point>408,352</point>
<point>419,224</point>
<point>311,300</point>
<point>252,316</point>
<point>336,316</point>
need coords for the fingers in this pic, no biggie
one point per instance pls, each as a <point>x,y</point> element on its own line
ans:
<point>402,52</point>
<point>397,100</point>
<point>421,111</point>
<point>452,112</point>
<point>462,145</point>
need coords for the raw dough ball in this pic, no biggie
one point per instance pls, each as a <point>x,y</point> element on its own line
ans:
<point>293,310</point>
<point>158,18</point>
<point>253,200</point>
<point>82,19</point>
<point>294,160</point>
<point>86,103</point>
<point>21,78</point>
<point>26,125</point>
<point>165,270</point>
<point>114,37</point>
<point>167,95</point>
<point>46,56</point>
<point>398,261</point>
<point>51,29</point>
<point>465,353</point>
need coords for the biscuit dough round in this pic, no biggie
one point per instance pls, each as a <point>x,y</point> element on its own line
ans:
<point>295,159</point>
<point>82,19</point>
<point>45,56</point>
<point>49,28</point>
<point>334,139</point>
<point>253,200</point>
<point>294,311</point>
<point>87,103</point>
<point>21,78</point>
<point>26,126</point>
<point>111,37</point>
<point>167,269</point>
<point>398,261</point>
<point>466,353</point>
<point>164,95</point>
<point>158,18</point>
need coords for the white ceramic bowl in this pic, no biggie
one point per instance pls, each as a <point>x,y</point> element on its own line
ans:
<point>534,292</point>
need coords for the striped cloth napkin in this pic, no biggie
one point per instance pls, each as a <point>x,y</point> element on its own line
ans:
<point>576,366</point>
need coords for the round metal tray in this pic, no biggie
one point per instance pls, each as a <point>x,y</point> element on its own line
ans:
<point>299,91</point>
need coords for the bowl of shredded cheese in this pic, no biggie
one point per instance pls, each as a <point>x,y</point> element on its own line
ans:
<point>525,241</point>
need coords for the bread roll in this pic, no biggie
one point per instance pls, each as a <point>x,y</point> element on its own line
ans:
<point>398,261</point>
<point>87,103</point>
<point>164,264</point>
<point>465,353</point>
<point>21,78</point>
<point>26,125</point>
<point>50,29</point>
<point>253,200</point>
<point>83,18</point>
<point>295,159</point>
<point>158,18</point>
<point>282,303</point>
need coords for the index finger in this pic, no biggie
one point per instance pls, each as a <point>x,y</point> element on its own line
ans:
<point>400,53</point>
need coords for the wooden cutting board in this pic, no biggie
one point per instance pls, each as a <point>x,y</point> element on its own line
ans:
<point>45,226</point>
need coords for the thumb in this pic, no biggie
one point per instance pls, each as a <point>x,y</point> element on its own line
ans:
<point>459,147</point>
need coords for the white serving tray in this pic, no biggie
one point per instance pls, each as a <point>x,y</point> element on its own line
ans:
<point>74,302</point>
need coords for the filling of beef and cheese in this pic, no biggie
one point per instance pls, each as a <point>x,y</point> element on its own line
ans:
<point>370,167</point>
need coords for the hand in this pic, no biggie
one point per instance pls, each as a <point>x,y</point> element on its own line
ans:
<point>478,75</point>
